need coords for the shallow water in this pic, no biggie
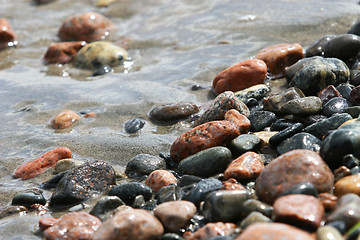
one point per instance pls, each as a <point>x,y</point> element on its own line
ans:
<point>173,44</point>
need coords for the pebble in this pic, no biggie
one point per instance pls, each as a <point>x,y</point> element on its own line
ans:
<point>299,141</point>
<point>127,191</point>
<point>316,48</point>
<point>225,205</point>
<point>202,189</point>
<point>355,29</point>
<point>281,124</point>
<point>300,210</point>
<point>10,210</point>
<point>341,172</point>
<point>102,71</point>
<point>246,167</point>
<point>253,217</point>
<point>211,230</point>
<point>7,35</point>
<point>286,133</point>
<point>278,57</point>
<point>172,113</point>
<point>75,226</point>
<point>302,106</point>
<point>344,47</point>
<point>207,162</point>
<point>273,231</point>
<point>232,184</point>
<point>97,54</point>
<point>221,104</point>
<point>354,97</point>
<point>80,183</point>
<point>305,166</point>
<point>66,164</point>
<point>48,160</point>
<point>264,137</point>
<point>160,178</point>
<point>253,205</point>
<point>64,119</point>
<point>348,184</point>
<point>244,143</point>
<point>301,188</point>
<point>347,210</point>
<point>143,164</point>
<point>133,224</point>
<point>28,198</point>
<point>317,73</point>
<point>354,111</point>
<point>261,119</point>
<point>169,193</point>
<point>276,101</point>
<point>335,105</point>
<point>328,233</point>
<point>340,143</point>
<point>313,119</point>
<point>240,76</point>
<point>257,92</point>
<point>345,89</point>
<point>62,52</point>
<point>320,129</point>
<point>340,226</point>
<point>105,207</point>
<point>89,27</point>
<point>328,93</point>
<point>175,215</point>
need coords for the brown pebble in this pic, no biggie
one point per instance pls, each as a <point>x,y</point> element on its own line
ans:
<point>232,184</point>
<point>211,230</point>
<point>46,222</point>
<point>328,200</point>
<point>348,184</point>
<point>280,56</point>
<point>328,93</point>
<point>64,119</point>
<point>341,172</point>
<point>240,76</point>
<point>160,178</point>
<point>62,52</point>
<point>354,97</point>
<point>7,34</point>
<point>173,112</point>
<point>175,215</point>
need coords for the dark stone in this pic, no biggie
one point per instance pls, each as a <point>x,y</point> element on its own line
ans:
<point>345,90</point>
<point>244,143</point>
<point>106,206</point>
<point>355,80</point>
<point>354,111</point>
<point>328,93</point>
<point>355,29</point>
<point>102,71</point>
<point>299,141</point>
<point>127,191</point>
<point>261,119</point>
<point>350,161</point>
<point>202,189</point>
<point>313,119</point>
<point>253,205</point>
<point>301,188</point>
<point>286,133</point>
<point>134,125</point>
<point>80,183</point>
<point>171,236</point>
<point>335,105</point>
<point>339,225</point>
<point>144,164</point>
<point>172,112</point>
<point>53,182</point>
<point>197,87</point>
<point>281,124</point>
<point>28,198</point>
<point>169,193</point>
<point>251,102</point>
<point>355,96</point>
<point>317,48</point>
<point>354,234</point>
<point>186,180</point>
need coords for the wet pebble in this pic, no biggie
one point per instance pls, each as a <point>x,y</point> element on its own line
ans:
<point>80,183</point>
<point>345,90</point>
<point>66,164</point>
<point>354,97</point>
<point>302,106</point>
<point>127,191</point>
<point>28,198</point>
<point>299,141</point>
<point>305,165</point>
<point>261,119</point>
<point>232,184</point>
<point>202,189</point>
<point>160,178</point>
<point>175,215</point>
<point>143,164</point>
<point>281,124</point>
<point>328,233</point>
<point>278,57</point>
<point>328,93</point>
<point>253,205</point>
<point>134,125</point>
<point>302,188</point>
<point>253,217</point>
<point>286,133</point>
<point>354,111</point>
<point>105,207</point>
<point>102,71</point>
<point>212,230</point>
<point>207,162</point>
<point>64,119</point>
<point>89,27</point>
<point>257,92</point>
<point>172,112</point>
<point>347,210</point>
<point>348,184</point>
<point>244,143</point>
<point>240,76</point>
<point>75,225</point>
<point>335,105</point>
<point>169,193</point>
<point>276,101</point>
<point>7,35</point>
<point>133,224</point>
<point>62,52</point>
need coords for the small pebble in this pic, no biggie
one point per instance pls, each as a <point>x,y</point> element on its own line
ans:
<point>102,71</point>
<point>169,193</point>
<point>301,188</point>
<point>328,93</point>
<point>276,101</point>
<point>127,191</point>
<point>62,52</point>
<point>66,164</point>
<point>134,125</point>
<point>202,189</point>
<point>244,143</point>
<point>347,210</point>
<point>64,119</point>
<point>281,124</point>
<point>160,178</point>
<point>349,184</point>
<point>212,230</point>
<point>354,97</point>
<point>144,164</point>
<point>286,133</point>
<point>335,105</point>
<point>173,112</point>
<point>253,217</point>
<point>105,207</point>
<point>253,205</point>
<point>345,90</point>
<point>261,119</point>
<point>28,198</point>
<point>299,141</point>
<point>328,233</point>
<point>257,92</point>
<point>302,106</point>
<point>340,226</point>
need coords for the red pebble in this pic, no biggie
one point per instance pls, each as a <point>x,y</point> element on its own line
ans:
<point>62,52</point>
<point>47,160</point>
<point>211,230</point>
<point>160,178</point>
<point>232,184</point>
<point>47,222</point>
<point>7,34</point>
<point>240,76</point>
<point>238,119</point>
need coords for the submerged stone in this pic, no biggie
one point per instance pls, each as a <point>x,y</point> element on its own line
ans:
<point>173,112</point>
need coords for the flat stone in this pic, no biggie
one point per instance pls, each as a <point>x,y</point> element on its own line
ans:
<point>302,106</point>
<point>345,89</point>
<point>281,124</point>
<point>172,112</point>
<point>244,143</point>
<point>286,133</point>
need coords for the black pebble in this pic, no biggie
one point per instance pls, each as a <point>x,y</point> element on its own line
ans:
<point>129,190</point>
<point>261,119</point>
<point>28,198</point>
<point>281,124</point>
<point>335,105</point>
<point>102,71</point>
<point>134,125</point>
<point>301,188</point>
<point>286,133</point>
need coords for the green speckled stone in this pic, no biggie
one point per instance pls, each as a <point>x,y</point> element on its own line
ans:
<point>97,54</point>
<point>302,106</point>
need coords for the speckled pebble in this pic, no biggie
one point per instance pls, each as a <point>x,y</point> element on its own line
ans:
<point>257,92</point>
<point>160,178</point>
<point>302,106</point>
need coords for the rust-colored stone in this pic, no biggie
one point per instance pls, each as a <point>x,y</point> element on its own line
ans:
<point>348,184</point>
<point>62,52</point>
<point>89,27</point>
<point>328,200</point>
<point>240,120</point>
<point>64,119</point>
<point>232,184</point>
<point>46,222</point>
<point>245,167</point>
<point>47,160</point>
<point>240,76</point>
<point>7,34</point>
<point>280,56</point>
<point>328,93</point>
<point>160,178</point>
<point>211,230</point>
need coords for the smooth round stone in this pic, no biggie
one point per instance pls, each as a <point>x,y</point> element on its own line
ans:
<point>254,217</point>
<point>320,129</point>
<point>132,224</point>
<point>335,105</point>
<point>257,92</point>
<point>328,233</point>
<point>355,29</point>
<point>261,119</point>
<point>28,198</point>
<point>328,93</point>
<point>318,73</point>
<point>225,205</point>
<point>305,165</point>
<point>105,207</point>
<point>127,191</point>
<point>299,141</point>
<point>349,184</point>
<point>347,210</point>
<point>160,178</point>
<point>316,48</point>
<point>134,125</point>
<point>354,111</point>
<point>354,97</point>
<point>64,119</point>
<point>171,236</point>
<point>343,47</point>
<point>102,71</point>
<point>273,231</point>
<point>207,162</point>
<point>244,143</point>
<point>173,112</point>
<point>275,102</point>
<point>281,124</point>
<point>240,76</point>
<point>144,164</point>
<point>253,205</point>
<point>202,189</point>
<point>97,54</point>
<point>302,188</point>
<point>341,142</point>
<point>340,226</point>
<point>175,215</point>
<point>169,193</point>
<point>66,164</point>
<point>286,133</point>
<point>345,89</point>
<point>186,180</point>
<point>302,106</point>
